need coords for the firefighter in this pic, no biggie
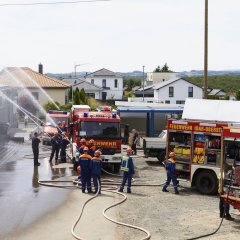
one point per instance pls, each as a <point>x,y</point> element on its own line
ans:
<point>35,148</point>
<point>171,173</point>
<point>64,143</point>
<point>128,170</point>
<point>85,162</point>
<point>82,145</point>
<point>55,142</point>
<point>92,148</point>
<point>96,171</point>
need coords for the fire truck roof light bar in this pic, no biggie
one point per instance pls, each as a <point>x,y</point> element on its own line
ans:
<point>57,112</point>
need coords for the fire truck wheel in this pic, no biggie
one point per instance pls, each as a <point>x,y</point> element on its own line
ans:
<point>206,182</point>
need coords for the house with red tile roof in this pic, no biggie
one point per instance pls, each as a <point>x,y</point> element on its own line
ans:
<point>39,85</point>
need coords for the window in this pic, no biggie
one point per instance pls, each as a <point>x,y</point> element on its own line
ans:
<point>190,91</point>
<point>167,102</point>
<point>171,91</point>
<point>35,95</point>
<point>104,84</point>
<point>91,95</point>
<point>92,81</point>
<point>116,83</point>
<point>180,102</point>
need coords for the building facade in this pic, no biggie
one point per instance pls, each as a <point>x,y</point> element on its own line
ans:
<point>110,82</point>
<point>176,91</point>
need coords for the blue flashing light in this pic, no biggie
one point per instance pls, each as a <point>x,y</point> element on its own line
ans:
<point>57,112</point>
<point>114,115</point>
<point>85,114</point>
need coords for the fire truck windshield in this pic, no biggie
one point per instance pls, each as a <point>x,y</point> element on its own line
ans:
<point>56,120</point>
<point>100,130</point>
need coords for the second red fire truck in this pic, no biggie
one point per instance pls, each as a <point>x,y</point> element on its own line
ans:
<point>197,146</point>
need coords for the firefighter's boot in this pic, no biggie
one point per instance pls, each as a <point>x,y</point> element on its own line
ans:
<point>165,189</point>
<point>120,189</point>
<point>129,190</point>
<point>176,191</point>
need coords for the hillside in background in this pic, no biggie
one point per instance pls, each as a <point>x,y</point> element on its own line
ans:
<point>229,83</point>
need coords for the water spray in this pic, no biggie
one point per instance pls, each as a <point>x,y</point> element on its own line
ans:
<point>27,92</point>
<point>38,86</point>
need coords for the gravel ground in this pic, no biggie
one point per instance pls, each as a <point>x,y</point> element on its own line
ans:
<point>164,215</point>
<point>170,216</point>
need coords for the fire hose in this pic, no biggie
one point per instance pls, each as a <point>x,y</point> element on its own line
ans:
<point>107,186</point>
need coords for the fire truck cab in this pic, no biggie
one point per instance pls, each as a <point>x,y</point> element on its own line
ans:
<point>229,184</point>
<point>50,126</point>
<point>104,128</point>
<point>197,147</point>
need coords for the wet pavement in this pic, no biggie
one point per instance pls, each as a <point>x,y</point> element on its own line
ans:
<point>22,199</point>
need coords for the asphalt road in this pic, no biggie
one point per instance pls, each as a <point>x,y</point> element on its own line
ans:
<point>22,200</point>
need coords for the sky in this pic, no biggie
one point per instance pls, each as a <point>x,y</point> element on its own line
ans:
<point>120,35</point>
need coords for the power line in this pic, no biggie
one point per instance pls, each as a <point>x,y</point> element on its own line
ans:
<point>50,3</point>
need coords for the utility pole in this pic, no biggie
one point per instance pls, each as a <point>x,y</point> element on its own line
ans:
<point>143,82</point>
<point>206,51</point>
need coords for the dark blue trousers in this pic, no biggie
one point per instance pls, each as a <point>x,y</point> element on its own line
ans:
<point>54,151</point>
<point>126,177</point>
<point>86,180</point>
<point>171,177</point>
<point>96,178</point>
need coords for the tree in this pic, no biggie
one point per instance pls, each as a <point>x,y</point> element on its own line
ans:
<point>165,68</point>
<point>158,69</point>
<point>27,103</point>
<point>76,98</point>
<point>51,106</point>
<point>70,94</point>
<point>237,95</point>
<point>82,96</point>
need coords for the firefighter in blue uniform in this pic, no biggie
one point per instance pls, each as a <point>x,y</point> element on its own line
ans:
<point>85,162</point>
<point>64,143</point>
<point>128,170</point>
<point>35,148</point>
<point>92,148</point>
<point>96,171</point>
<point>171,173</point>
<point>55,142</point>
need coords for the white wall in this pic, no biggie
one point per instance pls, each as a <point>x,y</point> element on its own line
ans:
<point>113,93</point>
<point>180,92</point>
<point>159,76</point>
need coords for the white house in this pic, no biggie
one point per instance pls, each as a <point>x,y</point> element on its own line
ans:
<point>176,91</point>
<point>110,82</point>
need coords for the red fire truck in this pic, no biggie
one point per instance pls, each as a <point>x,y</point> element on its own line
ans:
<point>197,147</point>
<point>229,184</point>
<point>104,128</point>
<point>50,126</point>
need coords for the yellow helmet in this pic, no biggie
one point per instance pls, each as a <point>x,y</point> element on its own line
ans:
<point>85,149</point>
<point>97,153</point>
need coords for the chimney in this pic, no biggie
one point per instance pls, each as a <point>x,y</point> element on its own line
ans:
<point>40,68</point>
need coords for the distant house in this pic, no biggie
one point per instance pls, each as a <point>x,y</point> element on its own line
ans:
<point>157,77</point>
<point>148,91</point>
<point>110,82</point>
<point>216,92</point>
<point>176,91</point>
<point>91,90</point>
<point>38,84</point>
